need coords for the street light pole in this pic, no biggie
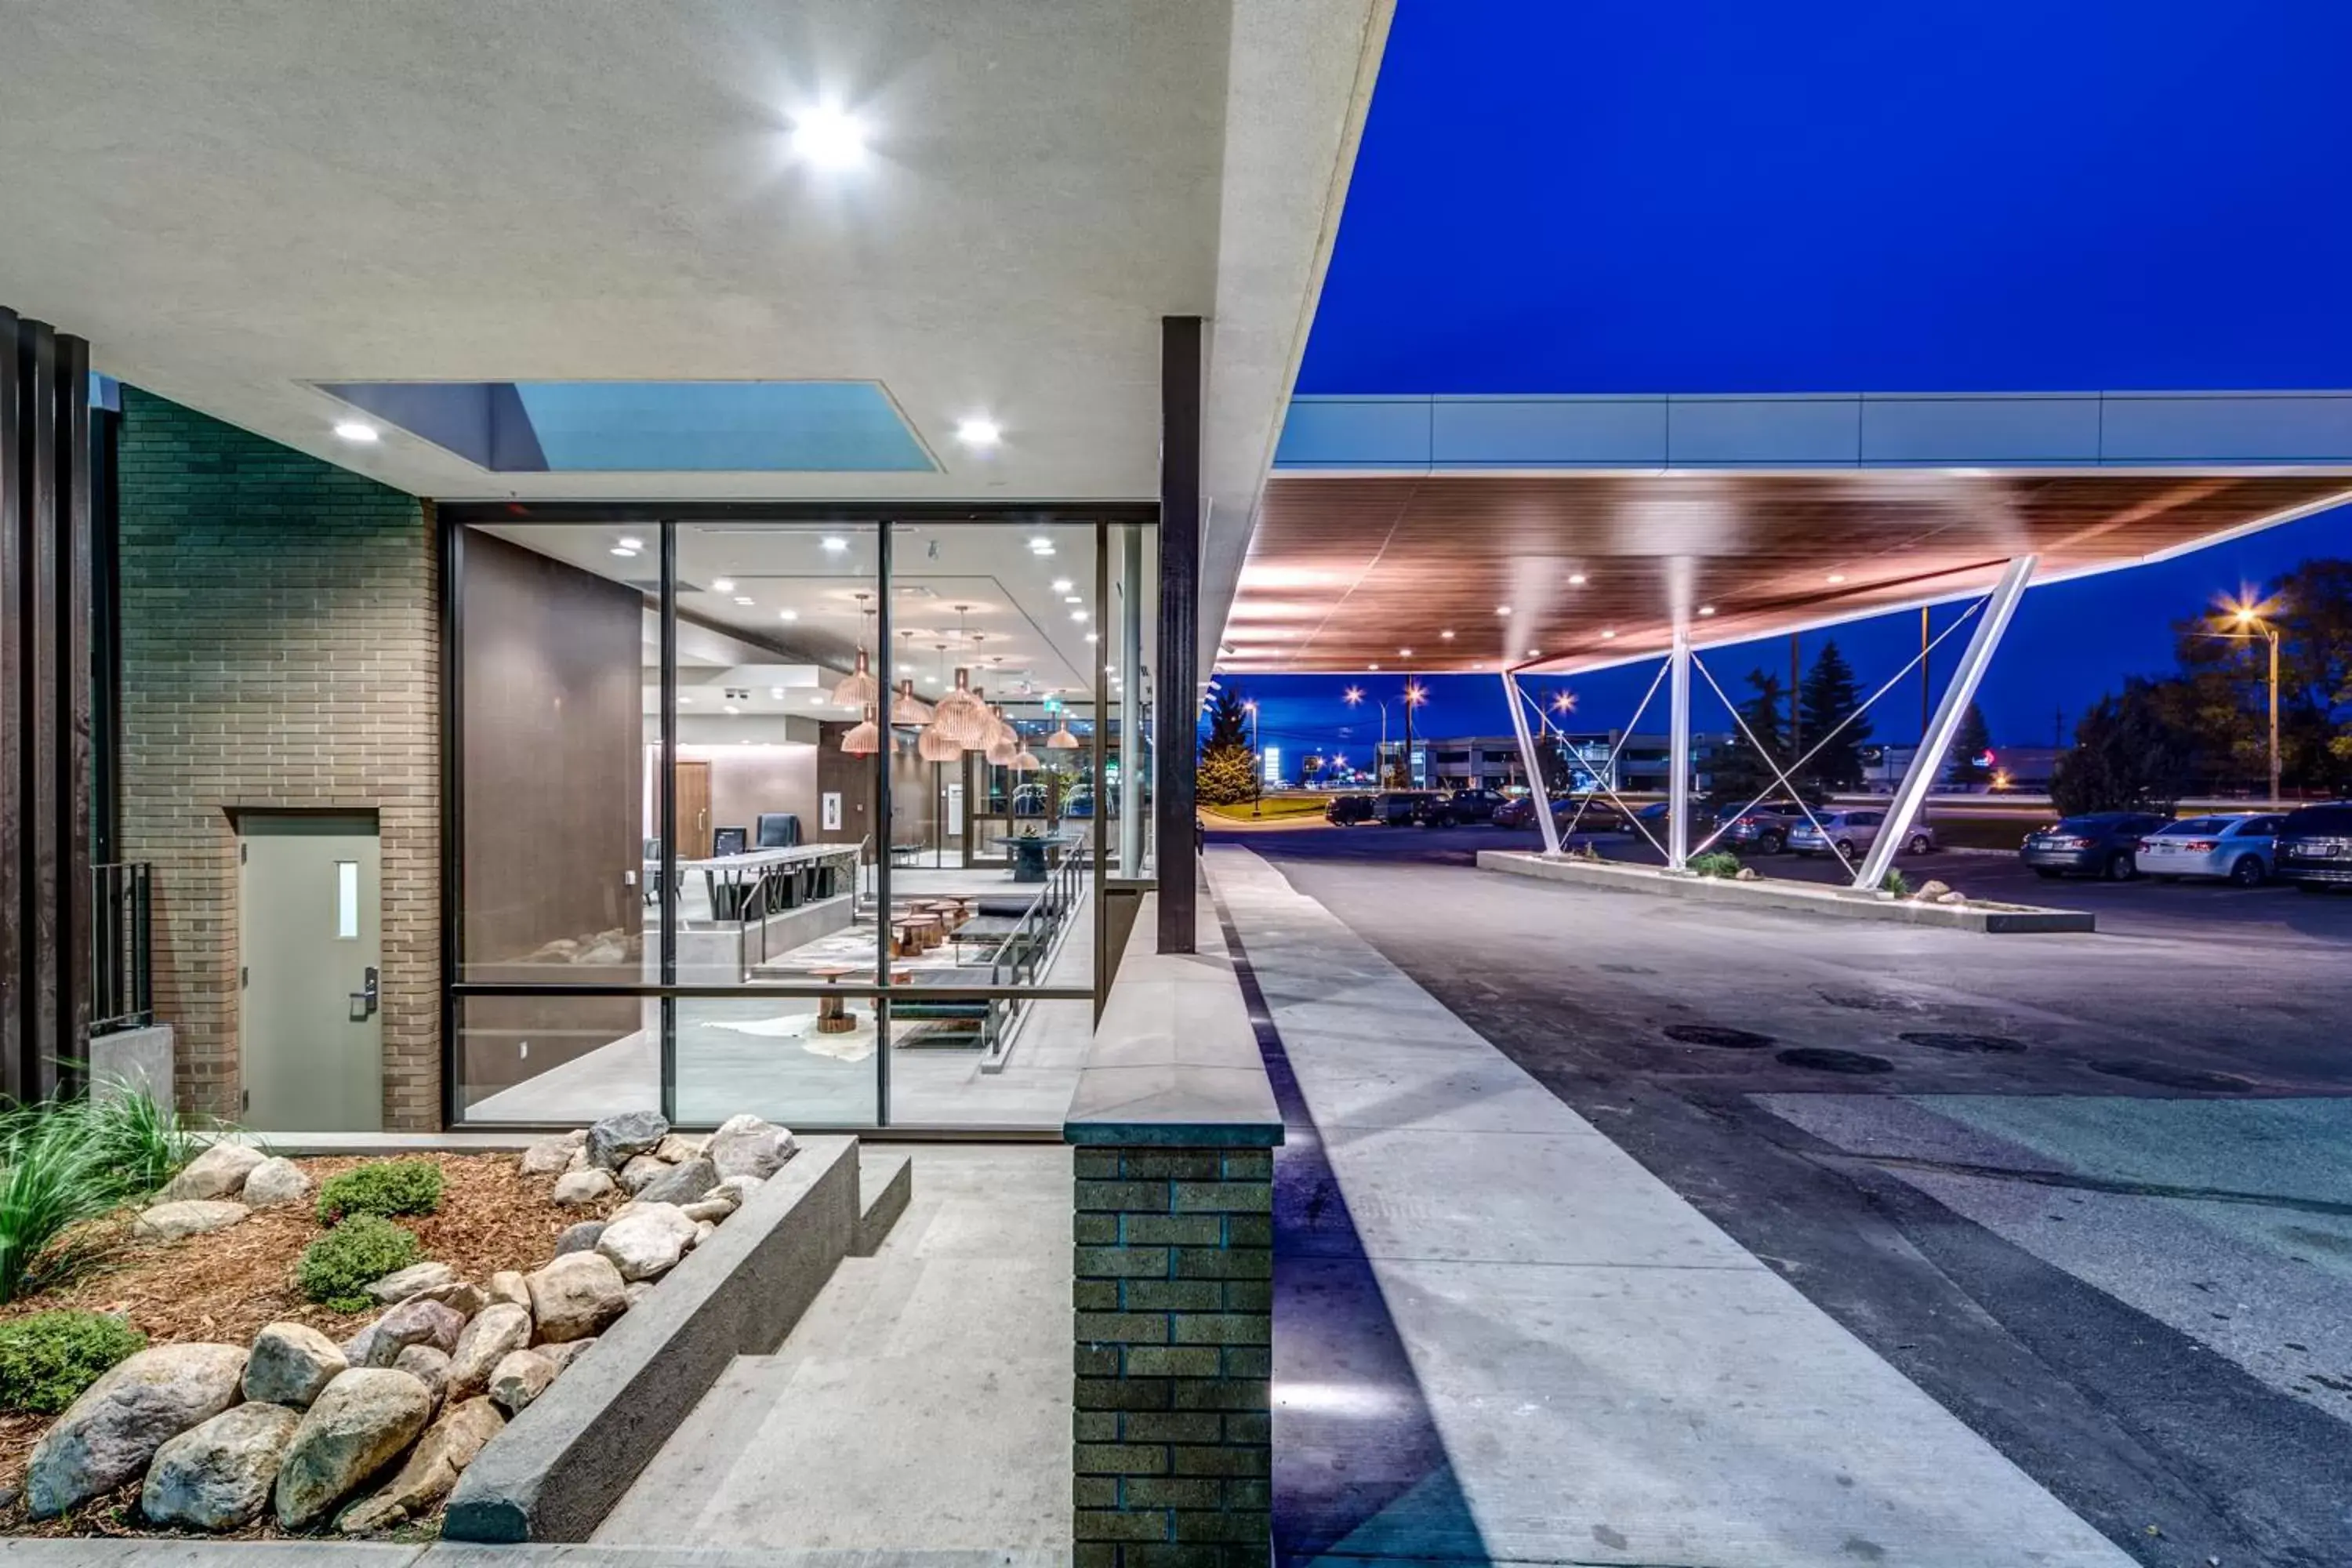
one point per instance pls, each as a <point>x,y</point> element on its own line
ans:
<point>2271,632</point>
<point>1257,762</point>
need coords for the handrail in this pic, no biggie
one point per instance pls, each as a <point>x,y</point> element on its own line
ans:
<point>121,957</point>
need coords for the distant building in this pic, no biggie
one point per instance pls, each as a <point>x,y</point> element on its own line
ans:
<point>1493,761</point>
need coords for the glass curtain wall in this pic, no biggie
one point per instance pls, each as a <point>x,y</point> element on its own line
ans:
<point>801,818</point>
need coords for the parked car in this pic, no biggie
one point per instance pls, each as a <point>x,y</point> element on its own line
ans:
<point>1462,805</point>
<point>2101,844</point>
<point>1346,810</point>
<point>1764,827</point>
<point>1656,817</point>
<point>1577,813</point>
<point>2236,847</point>
<point>1398,807</point>
<point>1851,833</point>
<point>2314,847</point>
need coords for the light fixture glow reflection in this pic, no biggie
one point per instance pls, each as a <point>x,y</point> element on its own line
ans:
<point>829,138</point>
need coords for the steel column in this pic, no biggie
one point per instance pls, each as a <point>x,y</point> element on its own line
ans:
<point>1130,702</point>
<point>1530,760</point>
<point>1678,751</point>
<point>1177,701</point>
<point>1937,744</point>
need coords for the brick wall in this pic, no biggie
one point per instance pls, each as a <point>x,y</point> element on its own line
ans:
<point>1174,1446</point>
<point>281,648</point>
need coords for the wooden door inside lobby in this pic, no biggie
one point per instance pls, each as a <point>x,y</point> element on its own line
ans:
<point>692,794</point>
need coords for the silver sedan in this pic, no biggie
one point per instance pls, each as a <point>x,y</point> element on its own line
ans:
<point>2217,848</point>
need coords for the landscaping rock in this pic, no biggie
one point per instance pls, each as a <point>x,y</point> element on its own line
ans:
<point>427,1366</point>
<point>579,1160</point>
<point>548,1157</point>
<point>108,1435</point>
<point>187,1216</point>
<point>679,1147</point>
<point>640,1170</point>
<point>581,1237</point>
<point>612,1141</point>
<point>273,1182</point>
<point>365,1417</point>
<point>1748,874</point>
<point>577,1138</point>
<point>704,1229</point>
<point>1932,889</point>
<point>290,1363</point>
<point>414,1280</point>
<point>647,1243</point>
<point>565,1354</point>
<point>1954,897</point>
<point>576,1296</point>
<point>577,1189</point>
<point>495,1332</point>
<point>681,1183</point>
<point>520,1377</point>
<point>415,1321</point>
<point>737,1187</point>
<point>750,1146</point>
<point>217,1475</point>
<point>218,1172</point>
<point>461,1297</point>
<point>431,1469</point>
<point>634,1293</point>
<point>507,1284</point>
<point>712,1209</point>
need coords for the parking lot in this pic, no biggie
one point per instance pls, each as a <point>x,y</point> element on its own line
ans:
<point>2094,1192</point>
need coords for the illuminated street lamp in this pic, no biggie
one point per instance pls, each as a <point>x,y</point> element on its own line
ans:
<point>1414,695</point>
<point>1258,759</point>
<point>1354,698</point>
<point>2252,627</point>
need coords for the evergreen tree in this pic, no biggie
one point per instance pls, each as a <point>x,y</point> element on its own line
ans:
<point>1228,773</point>
<point>2128,755</point>
<point>1739,772</point>
<point>1973,741</point>
<point>1829,699</point>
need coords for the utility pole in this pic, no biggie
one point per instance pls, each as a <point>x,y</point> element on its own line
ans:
<point>1796,715</point>
<point>1926,701</point>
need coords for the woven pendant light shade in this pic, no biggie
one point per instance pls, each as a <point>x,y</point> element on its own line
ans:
<point>908,709</point>
<point>961,716</point>
<point>864,738</point>
<point>1025,761</point>
<point>858,688</point>
<point>1001,752</point>
<point>935,745</point>
<point>1061,740</point>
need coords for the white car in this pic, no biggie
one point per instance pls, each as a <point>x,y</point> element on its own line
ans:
<point>2236,848</point>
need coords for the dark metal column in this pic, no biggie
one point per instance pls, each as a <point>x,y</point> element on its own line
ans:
<point>44,704</point>
<point>1177,697</point>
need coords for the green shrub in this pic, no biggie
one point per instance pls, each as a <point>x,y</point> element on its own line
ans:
<point>337,1268</point>
<point>48,1358</point>
<point>384,1188</point>
<point>63,1162</point>
<point>1897,884</point>
<point>1716,863</point>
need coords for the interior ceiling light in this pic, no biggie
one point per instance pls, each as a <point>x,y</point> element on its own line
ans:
<point>1372,667</point>
<point>979,433</point>
<point>1061,584</point>
<point>625,552</point>
<point>1041,541</point>
<point>628,544</point>
<point>834,542</point>
<point>1071,599</point>
<point>1836,577</point>
<point>731,709</point>
<point>1607,632</point>
<point>933,746</point>
<point>358,430</point>
<point>1077,615</point>
<point>1404,653</point>
<point>1575,579</point>
<point>829,138</point>
<point>908,709</point>
<point>859,689</point>
<point>722,584</point>
<point>1707,609</point>
<point>1061,739</point>
<point>1091,637</point>
<point>1025,761</point>
<point>1502,609</point>
<point>1445,636</point>
<point>742,598</point>
<point>1534,652</point>
<point>863,738</point>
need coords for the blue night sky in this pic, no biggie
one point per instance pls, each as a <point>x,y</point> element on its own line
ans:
<point>1712,196</point>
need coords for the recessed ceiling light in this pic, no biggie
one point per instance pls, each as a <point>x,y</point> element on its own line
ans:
<point>722,584</point>
<point>628,544</point>
<point>1575,579</point>
<point>1707,609</point>
<point>788,614</point>
<point>624,551</point>
<point>1061,584</point>
<point>357,430</point>
<point>1607,632</point>
<point>1502,609</point>
<point>1071,599</point>
<point>684,700</point>
<point>1445,636</point>
<point>829,138</point>
<point>1077,615</point>
<point>777,692</point>
<point>732,708</point>
<point>1091,637</point>
<point>979,433</point>
<point>835,543</point>
<point>1372,667</point>
<point>742,598</point>
<point>1836,577</point>
<point>1534,652</point>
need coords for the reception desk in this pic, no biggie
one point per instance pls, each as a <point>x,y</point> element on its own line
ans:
<point>758,906</point>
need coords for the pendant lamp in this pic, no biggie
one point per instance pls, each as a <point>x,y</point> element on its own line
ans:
<point>859,688</point>
<point>1025,761</point>
<point>907,708</point>
<point>1061,739</point>
<point>961,715</point>
<point>934,745</point>
<point>864,738</point>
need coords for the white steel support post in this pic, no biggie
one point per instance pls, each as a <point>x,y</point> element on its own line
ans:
<point>1530,760</point>
<point>1678,752</point>
<point>1945,728</point>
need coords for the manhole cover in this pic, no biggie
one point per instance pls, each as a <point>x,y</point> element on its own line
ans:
<point>2174,1077</point>
<point>1966,1044</point>
<point>1710,1034</point>
<point>1821,1058</point>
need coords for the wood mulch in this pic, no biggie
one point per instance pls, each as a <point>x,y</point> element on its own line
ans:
<point>222,1288</point>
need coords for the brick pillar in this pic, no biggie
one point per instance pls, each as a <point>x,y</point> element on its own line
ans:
<point>1173,1285</point>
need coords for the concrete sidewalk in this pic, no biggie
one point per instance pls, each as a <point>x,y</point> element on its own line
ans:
<point>1613,1379</point>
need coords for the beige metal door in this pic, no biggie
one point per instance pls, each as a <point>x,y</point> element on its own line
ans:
<point>310,1027</point>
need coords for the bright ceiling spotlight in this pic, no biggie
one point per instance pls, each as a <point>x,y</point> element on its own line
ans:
<point>1575,579</point>
<point>1835,577</point>
<point>628,543</point>
<point>1071,599</point>
<point>1445,636</point>
<point>1404,653</point>
<point>1607,633</point>
<point>722,584</point>
<point>624,551</point>
<point>834,542</point>
<point>1707,609</point>
<point>1061,584</point>
<point>358,430</point>
<point>1091,637</point>
<point>1534,652</point>
<point>829,138</point>
<point>979,433</point>
<point>1372,667</point>
<point>1042,544</point>
<point>1502,609</point>
<point>742,598</point>
<point>788,614</point>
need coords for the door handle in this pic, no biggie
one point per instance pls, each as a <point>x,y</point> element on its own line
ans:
<point>364,1002</point>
